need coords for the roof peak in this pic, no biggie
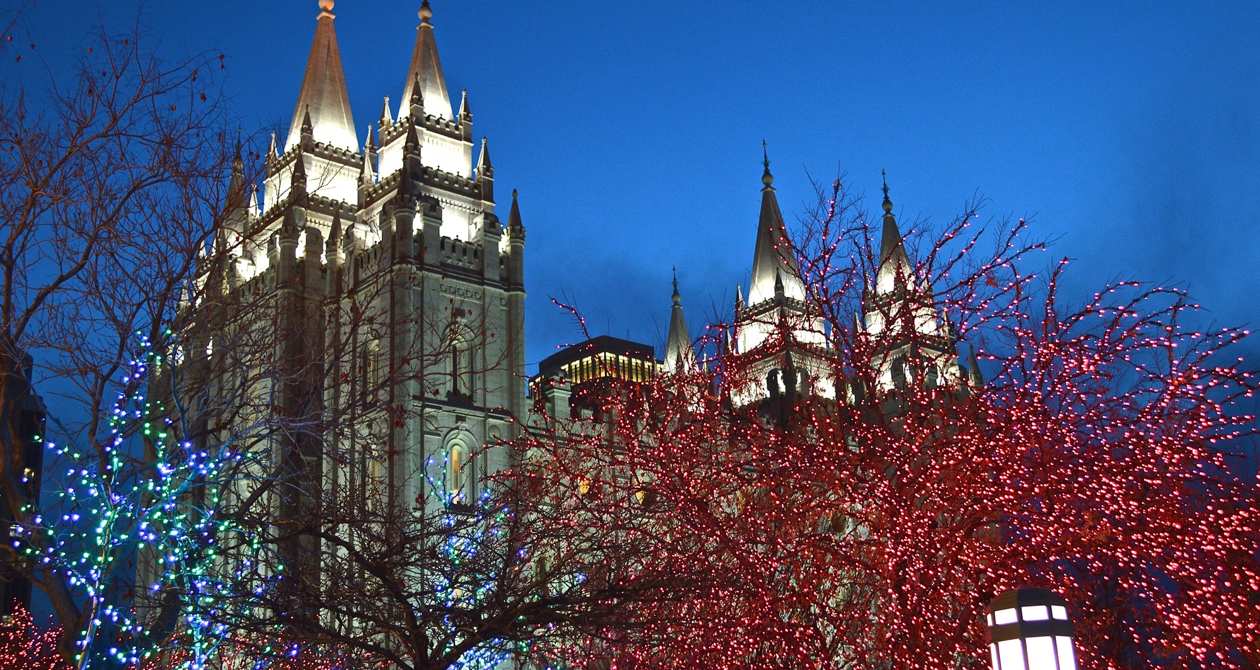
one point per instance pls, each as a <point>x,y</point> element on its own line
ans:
<point>890,243</point>
<point>773,255</point>
<point>887,204</point>
<point>425,69</point>
<point>514,214</point>
<point>323,94</point>
<point>484,167</point>
<point>679,356</point>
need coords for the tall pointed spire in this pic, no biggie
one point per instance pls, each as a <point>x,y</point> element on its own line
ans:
<point>324,90</point>
<point>308,127</point>
<point>297,181</point>
<point>890,242</point>
<point>387,118</point>
<point>514,216</point>
<point>415,103</point>
<point>678,353</point>
<point>426,68</point>
<point>485,168</point>
<point>767,179</point>
<point>236,184</point>
<point>893,262</point>
<point>485,172</point>
<point>773,255</point>
<point>465,109</point>
<point>254,210</point>
<point>367,175</point>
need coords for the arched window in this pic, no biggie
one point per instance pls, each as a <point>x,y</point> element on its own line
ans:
<point>458,476</point>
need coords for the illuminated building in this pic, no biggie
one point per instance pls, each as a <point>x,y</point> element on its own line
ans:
<point>600,365</point>
<point>779,336</point>
<point>391,289</point>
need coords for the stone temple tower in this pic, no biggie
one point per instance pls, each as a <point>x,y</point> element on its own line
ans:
<point>781,337</point>
<point>778,331</point>
<point>899,308</point>
<point>387,292</point>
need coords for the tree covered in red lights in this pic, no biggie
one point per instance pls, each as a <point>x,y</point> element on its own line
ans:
<point>26,646</point>
<point>971,430</point>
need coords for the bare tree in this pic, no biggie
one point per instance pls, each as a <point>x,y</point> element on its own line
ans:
<point>112,181</point>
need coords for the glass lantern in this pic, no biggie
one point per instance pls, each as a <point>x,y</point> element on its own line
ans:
<point>1029,630</point>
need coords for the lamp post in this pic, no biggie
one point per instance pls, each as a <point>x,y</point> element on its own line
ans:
<point>1029,630</point>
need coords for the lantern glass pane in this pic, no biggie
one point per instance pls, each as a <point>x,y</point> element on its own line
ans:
<point>1059,612</point>
<point>1067,658</point>
<point>1034,613</point>
<point>1004,616</point>
<point>1011,653</point>
<point>993,653</point>
<point>1040,653</point>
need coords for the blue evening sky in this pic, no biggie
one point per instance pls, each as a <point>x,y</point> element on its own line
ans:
<point>1129,133</point>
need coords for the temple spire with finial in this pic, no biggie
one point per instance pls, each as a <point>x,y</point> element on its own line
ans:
<point>425,70</point>
<point>297,180</point>
<point>678,353</point>
<point>367,175</point>
<point>515,226</point>
<point>888,204</point>
<point>323,96</point>
<point>485,168</point>
<point>254,210</point>
<point>387,118</point>
<point>308,127</point>
<point>890,244</point>
<point>485,171</point>
<point>773,255</point>
<point>767,179</point>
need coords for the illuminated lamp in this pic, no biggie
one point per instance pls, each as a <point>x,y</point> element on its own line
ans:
<point>1029,630</point>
